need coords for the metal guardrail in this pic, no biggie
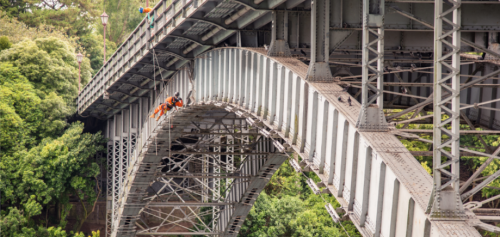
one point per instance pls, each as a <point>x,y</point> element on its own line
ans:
<point>134,48</point>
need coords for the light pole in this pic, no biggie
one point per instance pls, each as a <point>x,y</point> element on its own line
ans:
<point>104,20</point>
<point>79,58</point>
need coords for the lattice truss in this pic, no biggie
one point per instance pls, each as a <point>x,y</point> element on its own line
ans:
<point>449,168</point>
<point>373,67</point>
<point>191,188</point>
<point>371,118</point>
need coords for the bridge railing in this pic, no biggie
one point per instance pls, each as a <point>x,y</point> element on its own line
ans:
<point>134,47</point>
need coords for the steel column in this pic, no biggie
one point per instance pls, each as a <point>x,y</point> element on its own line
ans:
<point>109,186</point>
<point>371,117</point>
<point>319,66</point>
<point>279,40</point>
<point>445,202</point>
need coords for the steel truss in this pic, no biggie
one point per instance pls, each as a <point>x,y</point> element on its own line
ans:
<point>445,202</point>
<point>201,175</point>
<point>371,117</point>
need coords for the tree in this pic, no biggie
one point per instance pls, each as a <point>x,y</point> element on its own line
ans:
<point>287,207</point>
<point>4,42</point>
<point>26,117</point>
<point>124,17</point>
<point>50,64</point>
<point>47,174</point>
<point>18,31</point>
<point>75,17</point>
<point>93,44</point>
<point>43,161</point>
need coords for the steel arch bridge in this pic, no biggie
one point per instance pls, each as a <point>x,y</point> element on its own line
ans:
<point>319,90</point>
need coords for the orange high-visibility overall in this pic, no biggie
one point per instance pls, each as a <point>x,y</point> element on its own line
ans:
<point>170,102</point>
<point>162,109</point>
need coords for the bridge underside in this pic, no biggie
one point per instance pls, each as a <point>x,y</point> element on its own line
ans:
<point>198,173</point>
<point>289,89</point>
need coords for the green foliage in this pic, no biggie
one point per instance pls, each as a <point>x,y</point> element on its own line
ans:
<point>287,207</point>
<point>18,31</point>
<point>43,160</point>
<point>52,169</point>
<point>26,116</point>
<point>93,44</point>
<point>49,173</point>
<point>471,142</point>
<point>72,16</point>
<point>50,65</point>
<point>124,17</point>
<point>4,42</point>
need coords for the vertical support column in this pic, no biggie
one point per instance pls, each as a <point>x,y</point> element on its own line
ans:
<point>117,164</point>
<point>279,40</point>
<point>229,158</point>
<point>133,124</point>
<point>294,31</point>
<point>221,74</point>
<point>319,67</point>
<point>109,188</point>
<point>371,117</point>
<point>217,170</point>
<point>236,68</point>
<point>445,202</point>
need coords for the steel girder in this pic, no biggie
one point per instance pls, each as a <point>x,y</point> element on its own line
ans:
<point>371,117</point>
<point>265,103</point>
<point>272,111</point>
<point>252,168</point>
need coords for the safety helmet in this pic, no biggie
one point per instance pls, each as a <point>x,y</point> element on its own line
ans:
<point>177,94</point>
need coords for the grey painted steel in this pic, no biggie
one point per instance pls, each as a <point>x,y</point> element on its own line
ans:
<point>373,150</point>
<point>372,117</point>
<point>319,68</point>
<point>372,213</point>
<point>445,202</point>
<point>279,39</point>
<point>274,90</point>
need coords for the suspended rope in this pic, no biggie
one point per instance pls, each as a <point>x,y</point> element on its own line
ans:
<point>155,59</point>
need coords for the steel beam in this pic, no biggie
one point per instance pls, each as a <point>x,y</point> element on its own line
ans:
<point>319,66</point>
<point>371,117</point>
<point>445,203</point>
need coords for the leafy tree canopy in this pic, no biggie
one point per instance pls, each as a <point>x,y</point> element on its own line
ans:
<point>4,42</point>
<point>50,64</point>
<point>287,207</point>
<point>74,17</point>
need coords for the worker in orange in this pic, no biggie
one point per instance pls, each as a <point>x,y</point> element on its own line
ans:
<point>174,101</point>
<point>145,10</point>
<point>170,102</point>
<point>162,109</point>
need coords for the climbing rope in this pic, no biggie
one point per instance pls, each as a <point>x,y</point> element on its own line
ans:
<point>155,58</point>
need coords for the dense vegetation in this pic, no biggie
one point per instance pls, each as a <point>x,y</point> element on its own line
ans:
<point>287,207</point>
<point>468,163</point>
<point>44,160</point>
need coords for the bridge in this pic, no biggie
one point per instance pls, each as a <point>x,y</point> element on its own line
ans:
<point>327,80</point>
